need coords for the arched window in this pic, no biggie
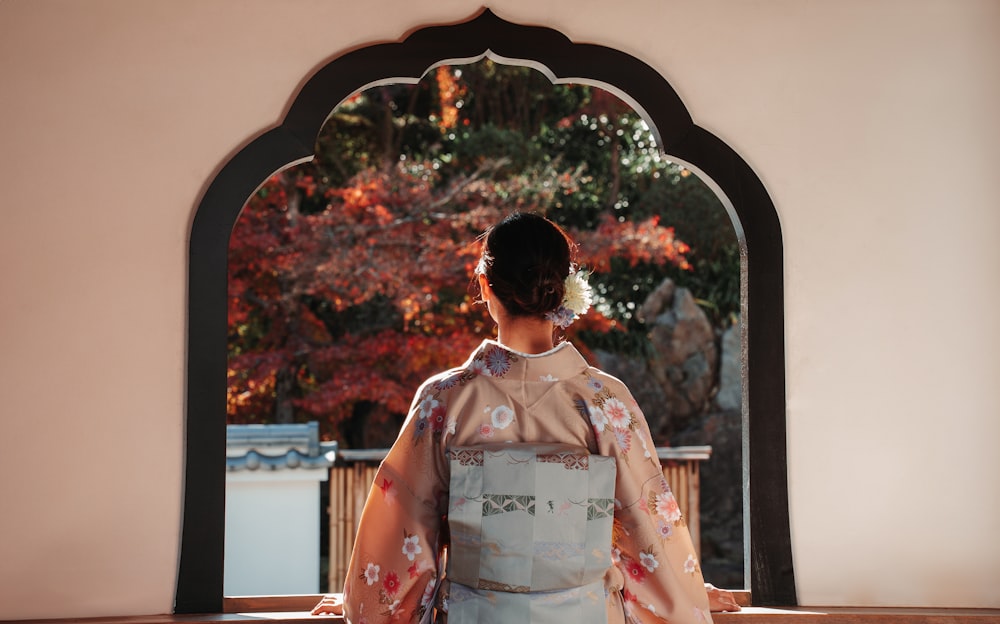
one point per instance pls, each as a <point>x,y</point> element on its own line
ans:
<point>200,576</point>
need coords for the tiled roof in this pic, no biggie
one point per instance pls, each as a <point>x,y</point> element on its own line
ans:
<point>277,447</point>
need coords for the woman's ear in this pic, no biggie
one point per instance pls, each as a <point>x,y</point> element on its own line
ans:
<point>484,287</point>
<point>486,294</point>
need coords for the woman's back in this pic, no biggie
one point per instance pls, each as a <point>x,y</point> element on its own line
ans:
<point>500,396</point>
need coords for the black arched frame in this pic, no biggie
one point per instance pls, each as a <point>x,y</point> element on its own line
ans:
<point>200,573</point>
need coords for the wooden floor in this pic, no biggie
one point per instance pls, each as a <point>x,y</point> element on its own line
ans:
<point>755,615</point>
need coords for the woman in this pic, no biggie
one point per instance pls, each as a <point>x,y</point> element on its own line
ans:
<point>523,388</point>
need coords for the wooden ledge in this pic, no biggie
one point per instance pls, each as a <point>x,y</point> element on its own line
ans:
<point>858,615</point>
<point>294,609</point>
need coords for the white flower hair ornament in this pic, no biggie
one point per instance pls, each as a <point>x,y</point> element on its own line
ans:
<point>577,298</point>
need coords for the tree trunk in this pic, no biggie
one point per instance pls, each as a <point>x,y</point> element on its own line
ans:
<point>283,384</point>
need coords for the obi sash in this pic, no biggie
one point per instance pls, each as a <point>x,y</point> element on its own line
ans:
<point>530,528</point>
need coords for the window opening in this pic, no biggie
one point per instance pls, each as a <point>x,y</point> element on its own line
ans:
<point>349,274</point>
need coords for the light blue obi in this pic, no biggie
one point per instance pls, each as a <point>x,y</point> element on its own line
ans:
<point>530,532</point>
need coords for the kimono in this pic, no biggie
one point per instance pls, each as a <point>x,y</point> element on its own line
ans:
<point>501,396</point>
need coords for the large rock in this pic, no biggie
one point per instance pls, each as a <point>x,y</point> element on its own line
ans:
<point>685,357</point>
<point>691,395</point>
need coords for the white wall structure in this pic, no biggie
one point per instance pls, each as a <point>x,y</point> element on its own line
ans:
<point>873,125</point>
<point>272,532</point>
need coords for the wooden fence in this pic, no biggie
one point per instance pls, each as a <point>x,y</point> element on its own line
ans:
<point>352,476</point>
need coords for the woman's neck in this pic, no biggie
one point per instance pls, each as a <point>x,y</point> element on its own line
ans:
<point>526,335</point>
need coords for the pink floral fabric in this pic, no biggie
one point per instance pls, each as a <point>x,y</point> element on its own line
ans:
<point>499,396</point>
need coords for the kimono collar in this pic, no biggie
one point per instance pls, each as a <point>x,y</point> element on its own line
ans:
<point>496,360</point>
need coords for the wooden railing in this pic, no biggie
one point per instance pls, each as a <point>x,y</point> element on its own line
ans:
<point>352,476</point>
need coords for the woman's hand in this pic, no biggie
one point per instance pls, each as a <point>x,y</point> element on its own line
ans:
<point>720,599</point>
<point>329,605</point>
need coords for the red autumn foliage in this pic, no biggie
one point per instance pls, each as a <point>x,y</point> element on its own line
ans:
<point>354,305</point>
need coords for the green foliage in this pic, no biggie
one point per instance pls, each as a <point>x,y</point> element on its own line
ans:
<point>467,149</point>
<point>702,222</point>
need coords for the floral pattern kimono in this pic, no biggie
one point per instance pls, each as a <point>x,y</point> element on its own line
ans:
<point>501,396</point>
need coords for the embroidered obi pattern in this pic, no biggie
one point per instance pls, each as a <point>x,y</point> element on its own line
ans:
<point>531,530</point>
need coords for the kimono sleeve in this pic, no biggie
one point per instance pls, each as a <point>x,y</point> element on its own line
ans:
<point>394,564</point>
<point>651,544</point>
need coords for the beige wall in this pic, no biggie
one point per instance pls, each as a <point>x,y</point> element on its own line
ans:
<point>873,124</point>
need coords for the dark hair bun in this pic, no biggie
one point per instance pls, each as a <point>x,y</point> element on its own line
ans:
<point>526,259</point>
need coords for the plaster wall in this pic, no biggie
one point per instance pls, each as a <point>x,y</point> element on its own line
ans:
<point>872,124</point>
<point>272,532</point>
